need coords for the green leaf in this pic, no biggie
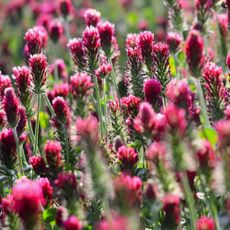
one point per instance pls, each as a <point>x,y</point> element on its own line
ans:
<point>210,135</point>
<point>172,65</point>
<point>44,120</point>
<point>49,214</point>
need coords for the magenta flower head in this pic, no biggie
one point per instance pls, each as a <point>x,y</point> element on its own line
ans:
<point>38,165</point>
<point>227,112</point>
<point>104,70</point>
<point>91,41</point>
<point>128,157</point>
<point>179,93</point>
<point>156,152</point>
<point>161,52</point>
<point>21,121</point>
<point>171,207</point>
<point>8,154</point>
<point>77,51</point>
<point>212,76</point>
<point>144,121</point>
<point>194,51</point>
<point>106,32</point>
<point>145,44</point>
<point>228,6</point>
<point>128,190</point>
<point>55,30</point>
<point>173,40</point>
<point>62,112</point>
<point>152,90</point>
<point>67,183</point>
<point>207,158</point>
<point>223,129</point>
<point>28,199</point>
<point>87,130</point>
<point>2,119</point>
<point>161,63</point>
<point>35,38</point>
<point>65,7</point>
<point>47,189</point>
<point>5,82</point>
<point>38,65</point>
<point>11,106</point>
<point>205,223</point>
<point>59,90</point>
<point>22,77</point>
<point>81,85</point>
<point>72,223</point>
<point>117,222</point>
<point>228,61</point>
<point>176,120</point>
<point>92,17</point>
<point>61,69</point>
<point>53,155</point>
<point>130,105</point>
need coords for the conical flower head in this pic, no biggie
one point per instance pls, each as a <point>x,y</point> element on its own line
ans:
<point>8,154</point>
<point>11,106</point>
<point>38,65</point>
<point>194,51</point>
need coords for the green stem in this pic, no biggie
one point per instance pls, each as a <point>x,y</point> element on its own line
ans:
<point>189,200</point>
<point>105,103</point>
<point>37,125</point>
<point>115,82</point>
<point>18,149</point>
<point>31,134</point>
<point>201,100</point>
<point>99,105</point>
<point>210,199</point>
<point>50,107</point>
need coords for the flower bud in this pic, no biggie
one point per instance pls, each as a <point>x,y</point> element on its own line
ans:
<point>171,207</point>
<point>194,48</point>
<point>8,154</point>
<point>22,121</point>
<point>145,44</point>
<point>92,17</point>
<point>77,51</point>
<point>38,164</point>
<point>67,183</point>
<point>11,106</point>
<point>81,85</point>
<point>173,40</point>
<point>35,39</point>
<point>23,81</point>
<point>176,119</point>
<point>5,82</point>
<point>87,130</point>
<point>128,157</point>
<point>62,112</point>
<point>65,7</point>
<point>47,189</point>
<point>205,223</point>
<point>27,201</point>
<point>55,30</point>
<point>106,32</point>
<point>53,155</point>
<point>38,65</point>
<point>152,90</point>
<point>72,223</point>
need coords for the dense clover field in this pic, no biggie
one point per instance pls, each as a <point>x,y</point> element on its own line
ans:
<point>115,114</point>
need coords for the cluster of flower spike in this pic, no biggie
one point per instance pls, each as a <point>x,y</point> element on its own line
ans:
<point>83,146</point>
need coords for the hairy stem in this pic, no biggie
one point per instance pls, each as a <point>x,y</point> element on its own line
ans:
<point>37,124</point>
